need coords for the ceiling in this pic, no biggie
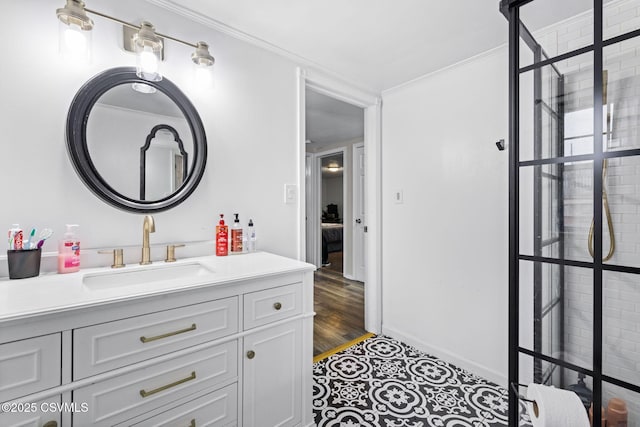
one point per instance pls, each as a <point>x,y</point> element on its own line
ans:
<point>330,121</point>
<point>373,44</point>
<point>376,44</point>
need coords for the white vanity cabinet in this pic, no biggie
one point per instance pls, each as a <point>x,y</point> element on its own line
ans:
<point>234,350</point>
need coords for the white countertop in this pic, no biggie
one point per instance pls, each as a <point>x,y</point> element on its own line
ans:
<point>50,293</point>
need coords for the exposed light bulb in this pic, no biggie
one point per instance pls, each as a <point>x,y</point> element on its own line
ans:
<point>203,77</point>
<point>148,47</point>
<point>74,40</point>
<point>148,61</point>
<point>74,43</point>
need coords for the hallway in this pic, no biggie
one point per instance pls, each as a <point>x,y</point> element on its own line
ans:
<point>339,307</point>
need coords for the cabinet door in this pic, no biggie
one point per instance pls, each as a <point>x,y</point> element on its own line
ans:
<point>45,413</point>
<point>29,366</point>
<point>273,376</point>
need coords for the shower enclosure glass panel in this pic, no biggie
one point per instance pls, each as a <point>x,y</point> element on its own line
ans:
<point>631,401</point>
<point>541,18</point>
<point>620,17</point>
<point>621,327</point>
<point>574,272</point>
<point>621,185</point>
<point>555,101</point>
<point>556,208</point>
<point>621,83</point>
<point>559,323</point>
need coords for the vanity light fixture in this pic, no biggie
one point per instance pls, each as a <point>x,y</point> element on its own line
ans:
<point>144,40</point>
<point>74,30</point>
<point>333,167</point>
<point>148,48</point>
<point>201,57</point>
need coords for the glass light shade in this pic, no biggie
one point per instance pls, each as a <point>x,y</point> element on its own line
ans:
<point>143,88</point>
<point>202,65</point>
<point>202,76</point>
<point>148,64</point>
<point>74,43</point>
<point>148,47</point>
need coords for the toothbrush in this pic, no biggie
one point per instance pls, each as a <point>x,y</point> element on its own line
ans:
<point>28,243</point>
<point>44,235</point>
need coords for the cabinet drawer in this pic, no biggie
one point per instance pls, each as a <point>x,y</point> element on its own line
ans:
<point>216,409</point>
<point>38,414</point>
<point>29,366</point>
<point>121,398</point>
<point>111,345</point>
<point>267,306</point>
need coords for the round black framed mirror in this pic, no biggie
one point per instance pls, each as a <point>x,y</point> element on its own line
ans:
<point>138,145</point>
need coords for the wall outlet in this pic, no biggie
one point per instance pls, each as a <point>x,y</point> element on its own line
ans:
<point>290,193</point>
<point>398,197</point>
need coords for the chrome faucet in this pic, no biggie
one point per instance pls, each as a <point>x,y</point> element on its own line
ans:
<point>148,226</point>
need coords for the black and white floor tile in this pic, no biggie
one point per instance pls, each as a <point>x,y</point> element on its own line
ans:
<point>384,382</point>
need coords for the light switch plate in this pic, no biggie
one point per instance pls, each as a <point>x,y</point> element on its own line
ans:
<point>290,193</point>
<point>398,197</point>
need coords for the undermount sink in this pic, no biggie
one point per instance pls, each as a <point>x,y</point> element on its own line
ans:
<point>145,275</point>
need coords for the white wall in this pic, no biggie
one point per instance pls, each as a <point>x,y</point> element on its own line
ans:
<point>249,117</point>
<point>445,253</point>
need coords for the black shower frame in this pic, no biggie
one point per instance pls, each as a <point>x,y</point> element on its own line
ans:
<point>511,10</point>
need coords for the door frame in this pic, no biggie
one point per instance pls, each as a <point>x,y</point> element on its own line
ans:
<point>372,105</point>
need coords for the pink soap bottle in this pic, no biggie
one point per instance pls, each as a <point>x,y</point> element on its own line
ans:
<point>69,252</point>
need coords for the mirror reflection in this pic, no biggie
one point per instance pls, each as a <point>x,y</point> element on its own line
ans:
<point>139,142</point>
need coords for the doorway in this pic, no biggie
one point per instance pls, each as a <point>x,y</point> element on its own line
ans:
<point>334,138</point>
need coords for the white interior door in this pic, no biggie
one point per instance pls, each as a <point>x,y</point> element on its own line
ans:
<point>311,211</point>
<point>359,217</point>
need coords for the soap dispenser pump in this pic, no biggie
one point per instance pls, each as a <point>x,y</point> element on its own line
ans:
<point>69,251</point>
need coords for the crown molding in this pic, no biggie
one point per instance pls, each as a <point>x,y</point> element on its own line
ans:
<point>214,24</point>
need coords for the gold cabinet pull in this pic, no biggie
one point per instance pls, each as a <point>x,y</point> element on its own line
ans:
<point>145,393</point>
<point>277,306</point>
<point>168,334</point>
<point>251,354</point>
<point>50,424</point>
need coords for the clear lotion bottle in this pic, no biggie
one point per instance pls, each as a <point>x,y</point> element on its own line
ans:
<point>251,238</point>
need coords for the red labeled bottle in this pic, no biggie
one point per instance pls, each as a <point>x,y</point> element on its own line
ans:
<point>222,238</point>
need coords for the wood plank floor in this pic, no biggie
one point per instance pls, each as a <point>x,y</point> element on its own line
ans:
<point>339,307</point>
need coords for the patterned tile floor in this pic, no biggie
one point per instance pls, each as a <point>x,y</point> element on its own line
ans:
<point>384,382</point>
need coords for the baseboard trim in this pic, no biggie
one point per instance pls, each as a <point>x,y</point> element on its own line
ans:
<point>448,356</point>
<point>342,347</point>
